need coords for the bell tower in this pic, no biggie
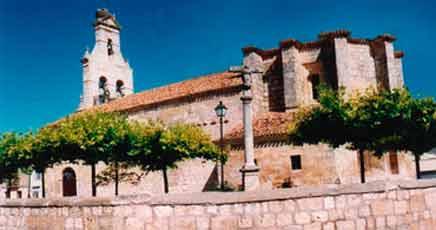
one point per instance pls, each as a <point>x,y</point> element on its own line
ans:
<point>106,75</point>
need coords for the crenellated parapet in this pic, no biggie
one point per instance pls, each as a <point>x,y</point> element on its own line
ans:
<point>336,59</point>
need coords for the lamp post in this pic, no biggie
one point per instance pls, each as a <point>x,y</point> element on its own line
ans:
<point>220,111</point>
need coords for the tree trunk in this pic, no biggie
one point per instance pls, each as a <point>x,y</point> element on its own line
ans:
<point>165,177</point>
<point>362,166</point>
<point>94,186</point>
<point>417,166</point>
<point>28,186</point>
<point>116,177</point>
<point>43,183</point>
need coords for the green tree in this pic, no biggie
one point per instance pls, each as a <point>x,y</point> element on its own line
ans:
<point>89,137</point>
<point>402,123</point>
<point>376,121</point>
<point>159,148</point>
<point>8,161</point>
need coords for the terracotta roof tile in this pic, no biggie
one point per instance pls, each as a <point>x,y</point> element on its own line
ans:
<point>268,124</point>
<point>203,84</point>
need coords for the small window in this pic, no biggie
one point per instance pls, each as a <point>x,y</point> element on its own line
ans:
<point>314,79</point>
<point>120,88</point>
<point>393,163</point>
<point>110,49</point>
<point>104,94</point>
<point>19,194</point>
<point>8,194</point>
<point>296,162</point>
<point>255,161</point>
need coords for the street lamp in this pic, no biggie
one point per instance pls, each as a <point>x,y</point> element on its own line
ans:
<point>220,111</point>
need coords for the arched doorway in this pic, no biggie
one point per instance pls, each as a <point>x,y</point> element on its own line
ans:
<point>69,182</point>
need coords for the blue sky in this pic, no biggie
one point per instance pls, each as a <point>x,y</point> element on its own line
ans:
<point>42,41</point>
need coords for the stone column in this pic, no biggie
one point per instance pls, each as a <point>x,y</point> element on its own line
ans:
<point>250,172</point>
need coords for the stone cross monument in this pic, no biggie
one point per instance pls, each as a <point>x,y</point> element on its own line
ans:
<point>250,171</point>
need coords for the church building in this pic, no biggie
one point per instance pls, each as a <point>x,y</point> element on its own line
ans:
<point>282,81</point>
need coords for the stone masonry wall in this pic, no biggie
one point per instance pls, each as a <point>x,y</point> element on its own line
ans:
<point>390,205</point>
<point>320,165</point>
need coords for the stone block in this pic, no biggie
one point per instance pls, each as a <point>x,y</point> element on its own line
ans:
<point>351,213</point>
<point>290,205</point>
<point>224,223</point>
<point>417,203</point>
<point>364,211</point>
<point>380,222</point>
<point>212,209</point>
<point>345,225</point>
<point>284,219</point>
<point>161,223</point>
<point>403,195</point>
<point>238,208</point>
<point>354,200</point>
<point>336,214</point>
<point>360,224</point>
<point>133,223</point>
<point>382,207</point>
<point>401,207</point>
<point>252,208</point>
<point>184,223</point>
<point>245,222</point>
<point>302,218</point>
<point>265,220</point>
<point>340,202</point>
<point>391,221</point>
<point>313,226</point>
<point>320,216</point>
<point>144,212</point>
<point>163,211</point>
<point>203,223</point>
<point>430,200</point>
<point>329,226</point>
<point>329,202</point>
<point>275,206</point>
<point>311,203</point>
<point>225,209</point>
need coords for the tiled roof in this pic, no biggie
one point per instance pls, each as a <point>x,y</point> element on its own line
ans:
<point>267,124</point>
<point>203,84</point>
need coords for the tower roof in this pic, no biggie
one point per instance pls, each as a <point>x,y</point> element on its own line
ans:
<point>104,17</point>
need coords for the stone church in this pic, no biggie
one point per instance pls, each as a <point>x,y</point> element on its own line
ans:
<point>282,80</point>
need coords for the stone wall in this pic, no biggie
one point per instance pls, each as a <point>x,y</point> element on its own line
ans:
<point>320,165</point>
<point>377,205</point>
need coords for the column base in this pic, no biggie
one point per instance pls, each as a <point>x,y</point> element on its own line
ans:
<point>250,178</point>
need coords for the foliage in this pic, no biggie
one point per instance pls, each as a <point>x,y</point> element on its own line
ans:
<point>378,121</point>
<point>8,160</point>
<point>160,147</point>
<point>94,137</point>
<point>126,174</point>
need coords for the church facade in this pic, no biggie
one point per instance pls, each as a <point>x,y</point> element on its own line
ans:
<point>285,80</point>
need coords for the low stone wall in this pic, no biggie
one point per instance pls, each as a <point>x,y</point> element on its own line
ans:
<point>376,205</point>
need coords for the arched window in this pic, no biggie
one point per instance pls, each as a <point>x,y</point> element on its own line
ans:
<point>103,92</point>
<point>69,182</point>
<point>110,49</point>
<point>120,88</point>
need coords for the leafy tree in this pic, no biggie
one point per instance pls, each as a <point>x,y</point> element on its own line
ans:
<point>402,123</point>
<point>379,122</point>
<point>160,148</point>
<point>332,122</point>
<point>89,137</point>
<point>8,161</point>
